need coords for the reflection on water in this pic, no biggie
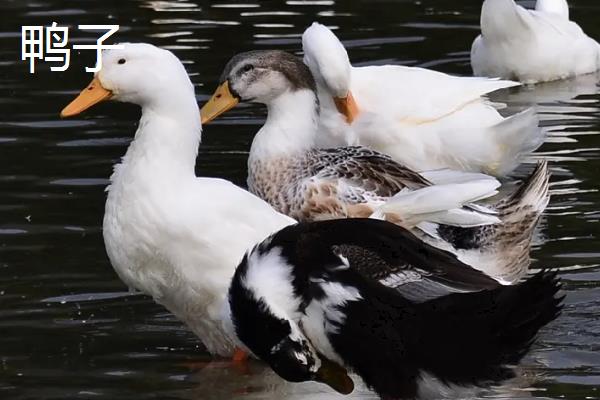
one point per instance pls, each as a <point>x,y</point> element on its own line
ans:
<point>69,327</point>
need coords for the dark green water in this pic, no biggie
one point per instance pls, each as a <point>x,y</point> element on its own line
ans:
<point>69,329</point>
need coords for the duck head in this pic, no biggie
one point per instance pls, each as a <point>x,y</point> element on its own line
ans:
<point>259,77</point>
<point>328,61</point>
<point>137,73</point>
<point>265,310</point>
<point>557,7</point>
<point>295,360</point>
<point>281,344</point>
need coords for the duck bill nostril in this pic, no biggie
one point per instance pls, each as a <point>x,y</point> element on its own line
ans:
<point>94,93</point>
<point>220,102</point>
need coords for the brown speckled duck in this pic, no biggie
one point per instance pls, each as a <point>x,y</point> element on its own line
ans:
<point>307,183</point>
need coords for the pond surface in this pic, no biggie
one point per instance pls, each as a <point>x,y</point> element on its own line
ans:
<point>68,327</point>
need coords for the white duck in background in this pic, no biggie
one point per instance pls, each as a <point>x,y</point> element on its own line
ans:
<point>422,118</point>
<point>532,45</point>
<point>168,233</point>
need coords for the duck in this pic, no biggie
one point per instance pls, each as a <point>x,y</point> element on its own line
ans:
<point>309,302</point>
<point>168,233</point>
<point>286,169</point>
<point>422,118</point>
<point>532,46</point>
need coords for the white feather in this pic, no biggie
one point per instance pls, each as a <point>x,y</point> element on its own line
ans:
<point>324,317</point>
<point>401,278</point>
<point>442,204</point>
<point>444,176</point>
<point>558,7</point>
<point>269,277</point>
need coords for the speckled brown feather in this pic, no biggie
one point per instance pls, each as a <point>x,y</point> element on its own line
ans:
<point>330,183</point>
<point>511,240</point>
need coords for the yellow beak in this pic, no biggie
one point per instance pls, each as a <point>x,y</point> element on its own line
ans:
<point>221,101</point>
<point>347,106</point>
<point>335,376</point>
<point>94,93</point>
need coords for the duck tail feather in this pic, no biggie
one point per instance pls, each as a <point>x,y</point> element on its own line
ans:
<point>531,197</point>
<point>487,331</point>
<point>517,136</point>
<point>505,247</point>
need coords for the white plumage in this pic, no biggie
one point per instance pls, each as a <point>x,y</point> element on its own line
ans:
<point>422,118</point>
<point>532,45</point>
<point>443,204</point>
<point>558,7</point>
<point>168,233</point>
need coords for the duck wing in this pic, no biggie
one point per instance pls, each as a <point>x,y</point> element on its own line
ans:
<point>365,168</point>
<point>417,98</point>
<point>381,252</point>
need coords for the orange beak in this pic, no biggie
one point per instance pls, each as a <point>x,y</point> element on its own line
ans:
<point>94,93</point>
<point>221,101</point>
<point>347,106</point>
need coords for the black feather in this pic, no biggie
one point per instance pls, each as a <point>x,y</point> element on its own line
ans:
<point>463,339</point>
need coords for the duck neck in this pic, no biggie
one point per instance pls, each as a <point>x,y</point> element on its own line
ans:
<point>290,128</point>
<point>325,97</point>
<point>167,139</point>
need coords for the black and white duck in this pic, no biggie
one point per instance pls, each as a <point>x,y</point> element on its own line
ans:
<point>318,299</point>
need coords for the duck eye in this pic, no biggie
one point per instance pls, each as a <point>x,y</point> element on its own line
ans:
<point>248,67</point>
<point>122,61</point>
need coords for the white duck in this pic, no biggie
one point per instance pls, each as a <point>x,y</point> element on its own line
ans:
<point>532,45</point>
<point>168,233</point>
<point>423,119</point>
